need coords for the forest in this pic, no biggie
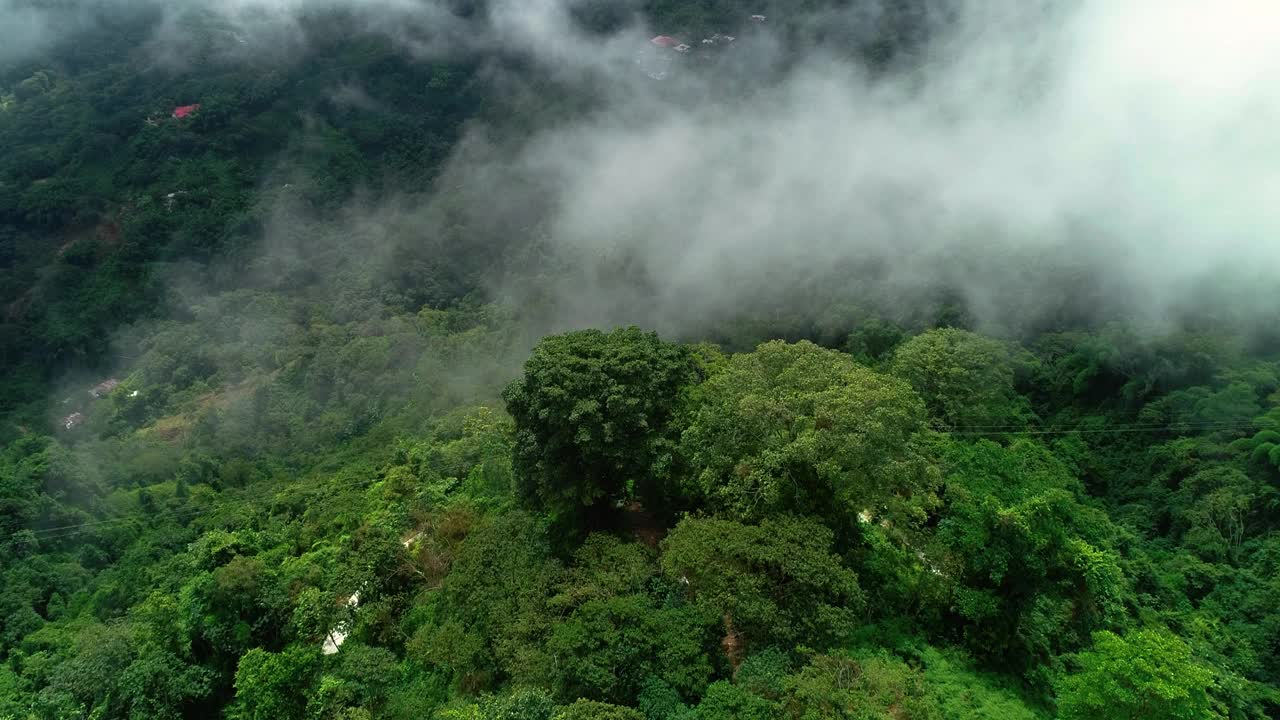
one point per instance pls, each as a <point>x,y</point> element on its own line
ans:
<point>337,397</point>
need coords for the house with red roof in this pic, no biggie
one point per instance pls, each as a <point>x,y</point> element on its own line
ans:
<point>185,110</point>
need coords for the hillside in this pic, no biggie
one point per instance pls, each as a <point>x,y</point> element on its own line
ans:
<point>632,361</point>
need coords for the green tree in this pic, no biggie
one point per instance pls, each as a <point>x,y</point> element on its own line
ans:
<point>874,339</point>
<point>874,687</point>
<point>1031,570</point>
<point>796,428</point>
<point>1214,509</point>
<point>236,606</point>
<point>124,670</point>
<point>755,693</point>
<point>616,629</point>
<point>964,693</point>
<point>592,414</point>
<point>315,612</point>
<point>773,583</point>
<point>158,684</point>
<point>607,647</point>
<point>493,610</point>
<point>592,710</point>
<point>966,380</point>
<point>1147,674</point>
<point>724,700</point>
<point>520,704</point>
<point>660,701</point>
<point>272,686</point>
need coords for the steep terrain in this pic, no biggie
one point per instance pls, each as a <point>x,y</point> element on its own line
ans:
<point>300,418</point>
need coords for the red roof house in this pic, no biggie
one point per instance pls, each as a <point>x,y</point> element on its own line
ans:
<point>665,41</point>
<point>184,110</point>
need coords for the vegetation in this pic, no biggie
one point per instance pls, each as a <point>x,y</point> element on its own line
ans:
<point>338,484</point>
<point>593,418</point>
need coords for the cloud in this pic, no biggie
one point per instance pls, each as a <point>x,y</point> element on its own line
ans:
<point>1126,149</point>
<point>30,27</point>
<point>1030,156</point>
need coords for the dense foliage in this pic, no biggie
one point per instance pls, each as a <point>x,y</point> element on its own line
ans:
<point>593,418</point>
<point>334,483</point>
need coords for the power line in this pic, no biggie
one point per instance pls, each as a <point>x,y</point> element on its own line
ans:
<point>994,430</point>
<point>1162,424</point>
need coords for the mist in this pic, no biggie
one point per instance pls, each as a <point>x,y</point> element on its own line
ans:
<point>1035,157</point>
<point>1032,159</point>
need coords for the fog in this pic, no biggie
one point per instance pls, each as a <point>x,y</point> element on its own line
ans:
<point>1128,145</point>
<point>1115,157</point>
<point>30,27</point>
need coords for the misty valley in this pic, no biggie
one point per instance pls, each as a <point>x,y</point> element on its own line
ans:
<point>639,360</point>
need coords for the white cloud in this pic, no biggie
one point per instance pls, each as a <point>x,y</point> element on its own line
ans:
<point>1131,142</point>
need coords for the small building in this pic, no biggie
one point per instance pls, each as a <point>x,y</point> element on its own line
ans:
<point>72,421</point>
<point>665,41</point>
<point>757,18</point>
<point>104,388</point>
<point>185,110</point>
<point>681,48</point>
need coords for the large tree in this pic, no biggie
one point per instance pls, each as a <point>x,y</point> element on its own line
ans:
<point>1146,674</point>
<point>871,687</point>
<point>966,380</point>
<point>797,428</point>
<point>1029,569</point>
<point>593,417</point>
<point>592,710</point>
<point>273,685</point>
<point>774,583</point>
<point>616,629</point>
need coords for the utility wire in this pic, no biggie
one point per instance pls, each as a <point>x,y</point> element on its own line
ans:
<point>1134,423</point>
<point>990,430</point>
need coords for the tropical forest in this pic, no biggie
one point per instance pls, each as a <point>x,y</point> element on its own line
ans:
<point>639,360</point>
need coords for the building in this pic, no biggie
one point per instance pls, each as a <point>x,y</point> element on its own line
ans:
<point>665,41</point>
<point>185,110</point>
<point>72,421</point>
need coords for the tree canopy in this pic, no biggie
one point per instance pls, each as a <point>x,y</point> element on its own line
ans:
<point>801,429</point>
<point>593,416</point>
<point>1142,674</point>
<point>303,416</point>
<point>967,380</point>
